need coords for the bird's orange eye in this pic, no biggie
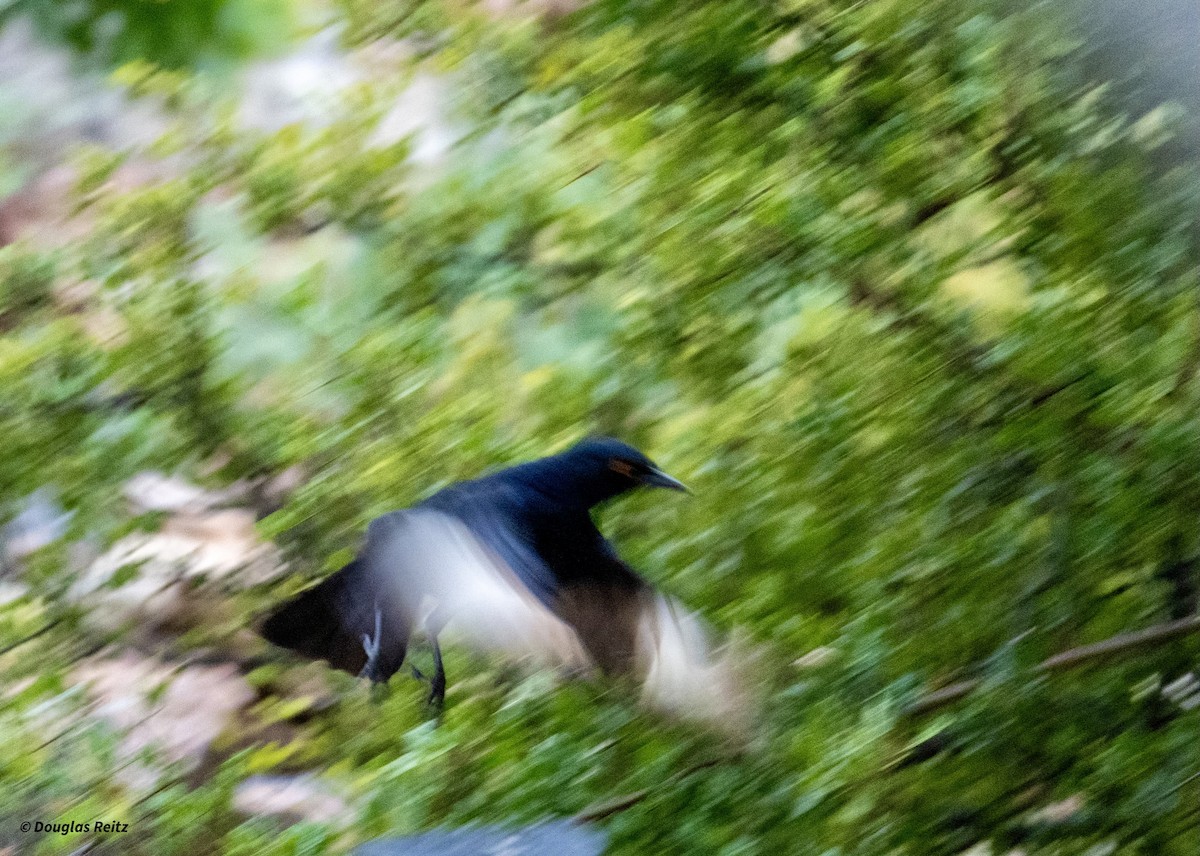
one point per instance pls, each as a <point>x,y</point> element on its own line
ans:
<point>622,467</point>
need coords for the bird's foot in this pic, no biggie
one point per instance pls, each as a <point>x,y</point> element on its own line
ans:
<point>371,646</point>
<point>437,693</point>
<point>437,683</point>
<point>437,689</point>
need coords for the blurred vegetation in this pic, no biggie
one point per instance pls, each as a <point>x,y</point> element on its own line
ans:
<point>890,285</point>
<point>169,32</point>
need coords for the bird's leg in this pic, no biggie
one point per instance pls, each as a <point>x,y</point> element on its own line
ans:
<point>371,646</point>
<point>437,683</point>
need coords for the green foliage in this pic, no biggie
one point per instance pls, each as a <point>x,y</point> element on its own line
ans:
<point>26,278</point>
<point>169,32</point>
<point>906,306</point>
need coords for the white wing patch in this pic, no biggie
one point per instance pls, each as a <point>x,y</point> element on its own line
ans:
<point>446,577</point>
<point>449,578</point>
<point>682,675</point>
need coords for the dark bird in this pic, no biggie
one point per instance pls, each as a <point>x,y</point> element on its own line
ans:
<point>512,562</point>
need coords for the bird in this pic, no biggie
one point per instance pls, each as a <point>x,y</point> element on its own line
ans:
<point>513,562</point>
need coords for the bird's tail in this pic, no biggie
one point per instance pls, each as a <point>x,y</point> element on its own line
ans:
<point>330,620</point>
<point>684,674</point>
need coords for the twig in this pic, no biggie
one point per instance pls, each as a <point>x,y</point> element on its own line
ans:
<point>610,807</point>
<point>587,171</point>
<point>600,811</point>
<point>1184,783</point>
<point>1119,644</point>
<point>34,635</point>
<point>943,696</point>
<point>1069,659</point>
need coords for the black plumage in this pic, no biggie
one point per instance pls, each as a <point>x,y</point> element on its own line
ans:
<point>512,562</point>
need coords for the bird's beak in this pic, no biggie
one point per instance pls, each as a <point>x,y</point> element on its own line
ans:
<point>657,478</point>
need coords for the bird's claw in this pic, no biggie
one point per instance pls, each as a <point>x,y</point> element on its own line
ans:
<point>437,693</point>
<point>371,646</point>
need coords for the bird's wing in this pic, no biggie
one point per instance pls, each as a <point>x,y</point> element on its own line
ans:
<point>561,558</point>
<point>425,567</point>
<point>448,573</point>
<point>421,568</point>
<point>499,514</point>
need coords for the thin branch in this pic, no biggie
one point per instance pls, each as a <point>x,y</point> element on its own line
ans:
<point>1149,637</point>
<point>941,697</point>
<point>587,171</point>
<point>34,635</point>
<point>608,808</point>
<point>1070,659</point>
<point>1193,777</point>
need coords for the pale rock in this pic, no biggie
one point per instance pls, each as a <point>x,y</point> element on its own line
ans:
<point>292,798</point>
<point>1059,812</point>
<point>176,712</point>
<point>155,491</point>
<point>217,547</point>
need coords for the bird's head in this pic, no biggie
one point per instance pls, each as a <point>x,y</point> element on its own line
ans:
<point>614,467</point>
